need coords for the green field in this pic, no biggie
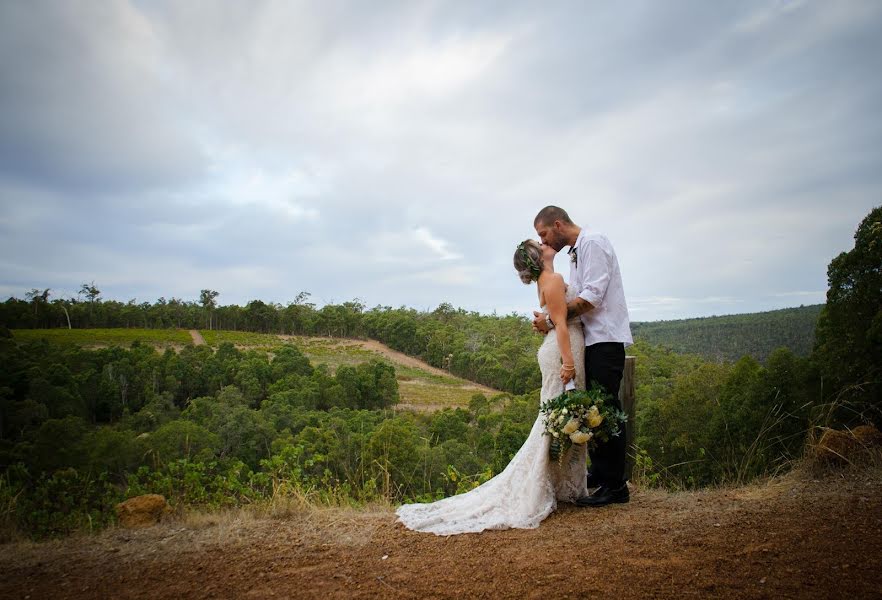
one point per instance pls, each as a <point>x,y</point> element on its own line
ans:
<point>331,352</point>
<point>240,338</point>
<point>105,337</point>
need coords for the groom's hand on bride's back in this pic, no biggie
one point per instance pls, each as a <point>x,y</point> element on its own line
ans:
<point>539,323</point>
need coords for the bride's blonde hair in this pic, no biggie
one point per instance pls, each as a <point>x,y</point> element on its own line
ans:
<point>528,261</point>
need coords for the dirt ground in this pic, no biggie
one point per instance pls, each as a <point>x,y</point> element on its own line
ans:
<point>799,536</point>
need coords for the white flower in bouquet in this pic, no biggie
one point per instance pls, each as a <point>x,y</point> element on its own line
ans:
<point>580,417</point>
<point>580,437</point>
<point>571,426</point>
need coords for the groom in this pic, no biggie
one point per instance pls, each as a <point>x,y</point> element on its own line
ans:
<point>594,270</point>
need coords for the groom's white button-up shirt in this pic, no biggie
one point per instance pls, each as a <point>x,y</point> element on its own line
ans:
<point>599,281</point>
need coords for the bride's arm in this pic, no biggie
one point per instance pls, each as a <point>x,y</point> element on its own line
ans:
<point>554,290</point>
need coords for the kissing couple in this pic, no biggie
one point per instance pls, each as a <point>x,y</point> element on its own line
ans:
<point>586,329</point>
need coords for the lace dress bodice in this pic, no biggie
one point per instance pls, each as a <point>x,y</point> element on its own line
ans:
<point>550,361</point>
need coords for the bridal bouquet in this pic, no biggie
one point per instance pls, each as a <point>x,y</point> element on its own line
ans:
<point>581,417</point>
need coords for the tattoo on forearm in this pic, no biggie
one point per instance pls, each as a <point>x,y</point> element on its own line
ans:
<point>578,308</point>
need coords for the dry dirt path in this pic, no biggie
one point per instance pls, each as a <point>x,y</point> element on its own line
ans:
<point>198,340</point>
<point>796,537</point>
<point>404,359</point>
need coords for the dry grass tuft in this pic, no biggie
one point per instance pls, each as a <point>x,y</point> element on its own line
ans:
<point>311,524</point>
<point>868,435</point>
<point>829,449</point>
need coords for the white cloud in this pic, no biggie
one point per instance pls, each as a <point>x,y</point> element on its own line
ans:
<point>420,69</point>
<point>423,236</point>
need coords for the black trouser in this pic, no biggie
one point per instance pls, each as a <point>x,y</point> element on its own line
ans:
<point>604,364</point>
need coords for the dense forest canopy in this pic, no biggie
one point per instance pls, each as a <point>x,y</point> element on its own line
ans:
<point>728,338</point>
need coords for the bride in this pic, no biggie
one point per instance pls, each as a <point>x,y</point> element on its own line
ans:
<point>528,489</point>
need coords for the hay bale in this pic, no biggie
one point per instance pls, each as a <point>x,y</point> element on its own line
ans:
<point>142,511</point>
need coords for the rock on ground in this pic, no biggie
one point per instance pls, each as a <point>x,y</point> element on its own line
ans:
<point>142,511</point>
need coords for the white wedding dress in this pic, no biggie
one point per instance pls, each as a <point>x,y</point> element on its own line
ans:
<point>528,488</point>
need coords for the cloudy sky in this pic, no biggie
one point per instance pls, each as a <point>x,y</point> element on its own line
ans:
<point>397,152</point>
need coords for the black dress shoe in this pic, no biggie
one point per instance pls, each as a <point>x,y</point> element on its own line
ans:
<point>606,495</point>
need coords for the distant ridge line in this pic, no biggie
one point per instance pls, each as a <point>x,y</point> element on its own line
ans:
<point>751,314</point>
<point>729,337</point>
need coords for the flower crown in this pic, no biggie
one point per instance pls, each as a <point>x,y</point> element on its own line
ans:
<point>534,269</point>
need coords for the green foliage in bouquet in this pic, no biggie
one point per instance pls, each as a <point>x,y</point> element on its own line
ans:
<point>581,417</point>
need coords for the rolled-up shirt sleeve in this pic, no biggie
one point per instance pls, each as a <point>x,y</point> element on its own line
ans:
<point>595,274</point>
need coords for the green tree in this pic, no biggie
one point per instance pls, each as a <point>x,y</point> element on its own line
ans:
<point>449,424</point>
<point>59,443</point>
<point>181,439</point>
<point>290,360</point>
<point>93,294</point>
<point>39,300</point>
<point>394,455</point>
<point>849,336</point>
<point>113,451</point>
<point>207,299</point>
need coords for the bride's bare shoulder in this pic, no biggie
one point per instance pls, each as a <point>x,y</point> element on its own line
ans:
<point>552,282</point>
<point>553,278</point>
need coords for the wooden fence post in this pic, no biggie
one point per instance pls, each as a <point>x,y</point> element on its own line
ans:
<point>628,399</point>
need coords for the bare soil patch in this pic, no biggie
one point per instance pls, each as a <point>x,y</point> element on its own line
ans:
<point>794,537</point>
<point>198,340</point>
<point>409,361</point>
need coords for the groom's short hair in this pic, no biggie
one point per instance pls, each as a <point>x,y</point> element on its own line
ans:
<point>550,214</point>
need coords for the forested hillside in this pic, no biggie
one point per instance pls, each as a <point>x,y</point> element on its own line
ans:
<point>733,336</point>
<point>497,351</point>
<point>492,350</point>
